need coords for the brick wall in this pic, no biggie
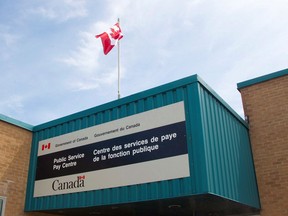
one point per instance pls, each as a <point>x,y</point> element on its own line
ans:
<point>15,143</point>
<point>266,105</point>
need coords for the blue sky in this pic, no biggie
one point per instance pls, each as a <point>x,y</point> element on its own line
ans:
<point>51,65</point>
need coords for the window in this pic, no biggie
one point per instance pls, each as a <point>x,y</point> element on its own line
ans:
<point>2,205</point>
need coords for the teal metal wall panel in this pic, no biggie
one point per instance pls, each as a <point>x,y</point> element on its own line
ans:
<point>219,151</point>
<point>228,154</point>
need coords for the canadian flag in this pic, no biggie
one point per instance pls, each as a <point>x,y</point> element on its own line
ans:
<point>81,177</point>
<point>110,38</point>
<point>46,146</point>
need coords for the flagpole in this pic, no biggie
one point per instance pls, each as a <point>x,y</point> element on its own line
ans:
<point>118,65</point>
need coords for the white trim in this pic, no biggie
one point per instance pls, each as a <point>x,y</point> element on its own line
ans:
<point>2,212</point>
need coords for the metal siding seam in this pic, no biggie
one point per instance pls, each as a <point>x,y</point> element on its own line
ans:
<point>226,160</point>
<point>223,149</point>
<point>217,166</point>
<point>149,104</point>
<point>219,149</point>
<point>205,138</point>
<point>32,167</point>
<point>209,158</point>
<point>189,109</point>
<point>198,125</point>
<point>216,143</point>
<point>235,157</point>
<point>225,134</point>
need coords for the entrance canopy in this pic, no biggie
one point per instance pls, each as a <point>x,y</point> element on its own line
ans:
<point>177,148</point>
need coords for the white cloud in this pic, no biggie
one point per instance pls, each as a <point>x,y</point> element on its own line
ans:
<point>144,32</point>
<point>85,56</point>
<point>85,85</point>
<point>85,61</point>
<point>95,80</point>
<point>247,39</point>
<point>14,103</point>
<point>60,10</point>
<point>224,41</point>
<point>8,42</point>
<point>8,38</point>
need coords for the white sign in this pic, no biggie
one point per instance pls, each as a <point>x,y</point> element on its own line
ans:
<point>146,147</point>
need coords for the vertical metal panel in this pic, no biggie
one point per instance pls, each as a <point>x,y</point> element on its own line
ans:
<point>228,155</point>
<point>215,146</point>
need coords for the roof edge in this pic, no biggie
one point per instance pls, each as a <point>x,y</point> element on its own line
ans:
<point>155,90</point>
<point>16,122</point>
<point>119,102</point>
<point>222,101</point>
<point>262,79</point>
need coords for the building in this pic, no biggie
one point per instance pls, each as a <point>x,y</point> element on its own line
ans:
<point>123,157</point>
<point>265,102</point>
<point>15,145</point>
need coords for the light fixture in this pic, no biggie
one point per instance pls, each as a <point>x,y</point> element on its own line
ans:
<point>174,206</point>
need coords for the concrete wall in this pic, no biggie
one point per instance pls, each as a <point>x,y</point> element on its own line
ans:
<point>266,105</point>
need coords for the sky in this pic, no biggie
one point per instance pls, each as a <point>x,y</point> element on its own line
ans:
<point>51,64</point>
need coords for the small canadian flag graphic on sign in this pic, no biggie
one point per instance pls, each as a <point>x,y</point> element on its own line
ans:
<point>46,146</point>
<point>81,177</point>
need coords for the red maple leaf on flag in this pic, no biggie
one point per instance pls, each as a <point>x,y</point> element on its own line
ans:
<point>46,146</point>
<point>110,38</point>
